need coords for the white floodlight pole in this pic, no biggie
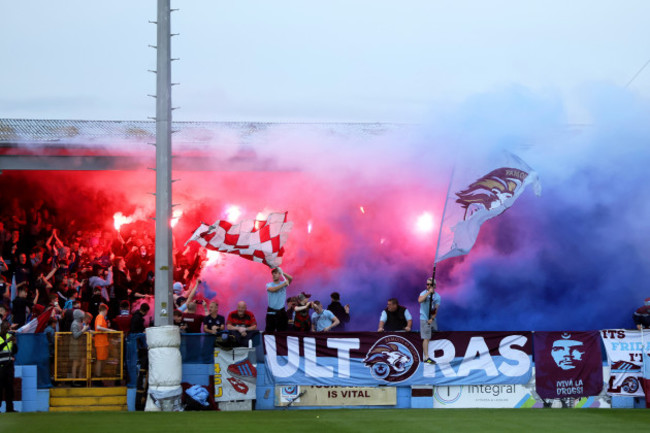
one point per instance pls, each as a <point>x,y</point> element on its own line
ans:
<point>164,264</point>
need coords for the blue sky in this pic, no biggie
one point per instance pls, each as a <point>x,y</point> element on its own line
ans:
<point>313,61</point>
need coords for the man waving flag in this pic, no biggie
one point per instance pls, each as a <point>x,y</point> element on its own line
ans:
<point>256,240</point>
<point>477,194</point>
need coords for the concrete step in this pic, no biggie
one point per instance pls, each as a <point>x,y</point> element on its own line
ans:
<point>102,408</point>
<point>108,400</point>
<point>88,392</point>
<point>88,399</point>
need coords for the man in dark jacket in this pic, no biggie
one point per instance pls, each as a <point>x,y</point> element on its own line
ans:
<point>341,312</point>
<point>395,317</point>
<point>138,319</point>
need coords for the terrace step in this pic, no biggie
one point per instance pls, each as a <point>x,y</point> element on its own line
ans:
<point>88,399</point>
<point>100,408</point>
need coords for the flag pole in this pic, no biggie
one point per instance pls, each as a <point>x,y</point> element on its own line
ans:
<point>442,220</point>
<point>644,376</point>
<point>643,356</point>
<point>433,274</point>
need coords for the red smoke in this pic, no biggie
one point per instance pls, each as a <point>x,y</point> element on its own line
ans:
<point>332,247</point>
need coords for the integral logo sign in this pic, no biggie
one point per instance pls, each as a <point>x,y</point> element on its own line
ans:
<point>392,359</point>
<point>447,394</point>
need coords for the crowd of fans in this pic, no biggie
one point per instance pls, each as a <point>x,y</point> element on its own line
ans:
<point>49,263</point>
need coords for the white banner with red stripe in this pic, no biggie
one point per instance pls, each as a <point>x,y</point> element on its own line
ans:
<point>625,350</point>
<point>234,375</point>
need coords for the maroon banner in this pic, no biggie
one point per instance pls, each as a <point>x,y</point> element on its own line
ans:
<point>568,364</point>
<point>371,358</point>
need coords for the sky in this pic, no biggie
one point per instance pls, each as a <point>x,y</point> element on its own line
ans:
<point>561,85</point>
<point>365,60</point>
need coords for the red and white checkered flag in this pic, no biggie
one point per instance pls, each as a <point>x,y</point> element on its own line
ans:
<point>256,240</point>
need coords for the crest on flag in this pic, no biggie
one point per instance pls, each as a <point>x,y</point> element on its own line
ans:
<point>257,240</point>
<point>491,191</point>
<point>478,194</point>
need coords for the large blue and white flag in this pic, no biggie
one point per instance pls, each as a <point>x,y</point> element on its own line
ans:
<point>482,190</point>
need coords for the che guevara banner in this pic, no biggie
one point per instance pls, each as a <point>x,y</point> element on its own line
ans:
<point>372,358</point>
<point>568,364</point>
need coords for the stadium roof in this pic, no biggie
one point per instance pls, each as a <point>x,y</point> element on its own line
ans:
<point>47,144</point>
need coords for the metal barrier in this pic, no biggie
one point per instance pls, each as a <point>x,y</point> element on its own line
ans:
<point>92,356</point>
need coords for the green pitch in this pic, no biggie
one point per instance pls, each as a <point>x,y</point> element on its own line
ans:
<point>336,421</point>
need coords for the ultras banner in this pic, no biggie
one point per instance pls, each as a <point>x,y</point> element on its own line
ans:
<point>624,351</point>
<point>371,358</point>
<point>568,364</point>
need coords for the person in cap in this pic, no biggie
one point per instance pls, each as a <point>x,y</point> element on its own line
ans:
<point>276,315</point>
<point>429,303</point>
<point>177,289</point>
<point>301,319</point>
<point>641,316</point>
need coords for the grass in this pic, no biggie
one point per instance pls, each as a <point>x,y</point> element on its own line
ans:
<point>336,421</point>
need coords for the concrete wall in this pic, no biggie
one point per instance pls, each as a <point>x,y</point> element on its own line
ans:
<point>33,399</point>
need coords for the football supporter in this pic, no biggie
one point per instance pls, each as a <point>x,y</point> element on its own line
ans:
<point>276,315</point>
<point>213,322</point>
<point>242,324</point>
<point>322,320</point>
<point>138,322</point>
<point>429,303</point>
<point>642,315</point>
<point>342,312</point>
<point>122,322</point>
<point>395,317</point>
<point>192,318</point>
<point>101,339</point>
